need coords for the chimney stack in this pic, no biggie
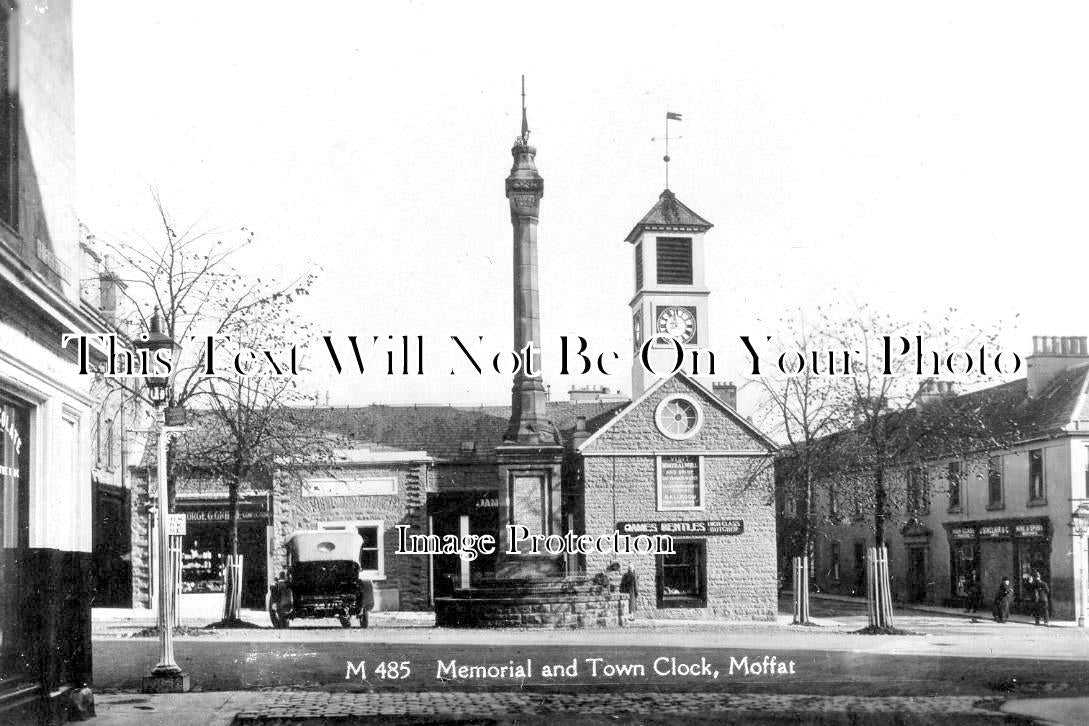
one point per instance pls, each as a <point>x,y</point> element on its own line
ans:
<point>931,390</point>
<point>1051,356</point>
<point>580,434</point>
<point>727,392</point>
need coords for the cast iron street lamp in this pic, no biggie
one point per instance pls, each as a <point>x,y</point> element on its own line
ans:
<point>1080,524</point>
<point>166,676</point>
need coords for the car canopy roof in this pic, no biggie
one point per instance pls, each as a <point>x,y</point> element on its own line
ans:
<point>324,545</point>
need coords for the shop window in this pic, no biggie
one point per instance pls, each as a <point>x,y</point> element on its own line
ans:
<point>674,261</point>
<point>918,494</point>
<point>1032,556</point>
<point>994,483</point>
<point>372,559</point>
<point>682,576</point>
<point>203,559</point>
<point>953,479</point>
<point>680,483</point>
<point>1037,491</point>
<point>964,569</point>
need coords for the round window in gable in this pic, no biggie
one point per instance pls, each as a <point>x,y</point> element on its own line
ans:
<point>678,417</point>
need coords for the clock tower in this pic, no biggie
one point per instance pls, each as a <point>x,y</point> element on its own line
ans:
<point>670,298</point>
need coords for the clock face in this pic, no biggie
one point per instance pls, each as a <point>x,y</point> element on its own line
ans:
<point>680,322</point>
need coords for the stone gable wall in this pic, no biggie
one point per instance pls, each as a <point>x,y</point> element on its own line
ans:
<point>637,431</point>
<point>741,569</point>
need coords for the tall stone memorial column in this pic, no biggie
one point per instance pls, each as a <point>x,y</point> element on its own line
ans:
<point>531,455</point>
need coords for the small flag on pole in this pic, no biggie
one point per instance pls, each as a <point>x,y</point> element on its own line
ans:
<point>673,116</point>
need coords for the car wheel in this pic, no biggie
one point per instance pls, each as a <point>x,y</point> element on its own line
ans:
<point>345,621</point>
<point>363,618</point>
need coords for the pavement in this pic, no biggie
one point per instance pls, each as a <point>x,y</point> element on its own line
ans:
<point>949,634</point>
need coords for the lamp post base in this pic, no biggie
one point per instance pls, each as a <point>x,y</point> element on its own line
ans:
<point>165,681</point>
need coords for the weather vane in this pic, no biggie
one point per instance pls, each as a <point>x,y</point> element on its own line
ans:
<point>670,116</point>
<point>524,138</point>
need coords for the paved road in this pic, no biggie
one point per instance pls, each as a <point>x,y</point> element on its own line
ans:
<point>240,663</point>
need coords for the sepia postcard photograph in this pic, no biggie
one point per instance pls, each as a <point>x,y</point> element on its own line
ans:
<point>429,362</point>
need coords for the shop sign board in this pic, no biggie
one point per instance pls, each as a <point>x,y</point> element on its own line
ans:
<point>1007,529</point>
<point>249,510</point>
<point>994,531</point>
<point>706,527</point>
<point>1030,529</point>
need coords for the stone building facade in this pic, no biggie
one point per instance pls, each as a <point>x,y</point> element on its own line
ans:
<point>717,504</point>
<point>965,523</point>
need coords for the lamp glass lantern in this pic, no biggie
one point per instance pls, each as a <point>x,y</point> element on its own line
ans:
<point>1080,521</point>
<point>154,341</point>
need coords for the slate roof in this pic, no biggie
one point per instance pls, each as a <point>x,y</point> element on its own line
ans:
<point>1004,413</point>
<point>1061,405</point>
<point>669,214</point>
<point>441,431</point>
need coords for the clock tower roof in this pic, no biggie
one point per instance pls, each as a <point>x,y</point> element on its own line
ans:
<point>669,214</point>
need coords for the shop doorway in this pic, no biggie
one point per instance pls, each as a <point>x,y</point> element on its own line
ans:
<point>445,513</point>
<point>682,576</point>
<point>916,574</point>
<point>111,545</point>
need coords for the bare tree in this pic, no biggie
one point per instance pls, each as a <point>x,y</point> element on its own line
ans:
<point>901,420</point>
<point>804,407</point>
<point>243,413</point>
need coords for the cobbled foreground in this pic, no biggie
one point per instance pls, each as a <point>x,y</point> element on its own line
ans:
<point>498,707</point>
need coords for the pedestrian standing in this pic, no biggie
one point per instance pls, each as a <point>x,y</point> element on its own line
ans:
<point>1042,597</point>
<point>1002,601</point>
<point>975,594</point>
<point>629,583</point>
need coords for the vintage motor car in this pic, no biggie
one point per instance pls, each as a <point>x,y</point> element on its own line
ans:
<point>321,580</point>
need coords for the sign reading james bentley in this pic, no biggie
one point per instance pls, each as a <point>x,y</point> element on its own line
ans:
<point>706,527</point>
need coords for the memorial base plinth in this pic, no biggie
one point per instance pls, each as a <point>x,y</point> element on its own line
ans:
<point>571,602</point>
<point>166,682</point>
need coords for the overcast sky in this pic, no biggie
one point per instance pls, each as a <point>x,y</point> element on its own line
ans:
<point>925,156</point>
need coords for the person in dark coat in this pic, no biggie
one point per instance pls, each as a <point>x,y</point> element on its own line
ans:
<point>1002,601</point>
<point>1042,596</point>
<point>975,594</point>
<point>629,583</point>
